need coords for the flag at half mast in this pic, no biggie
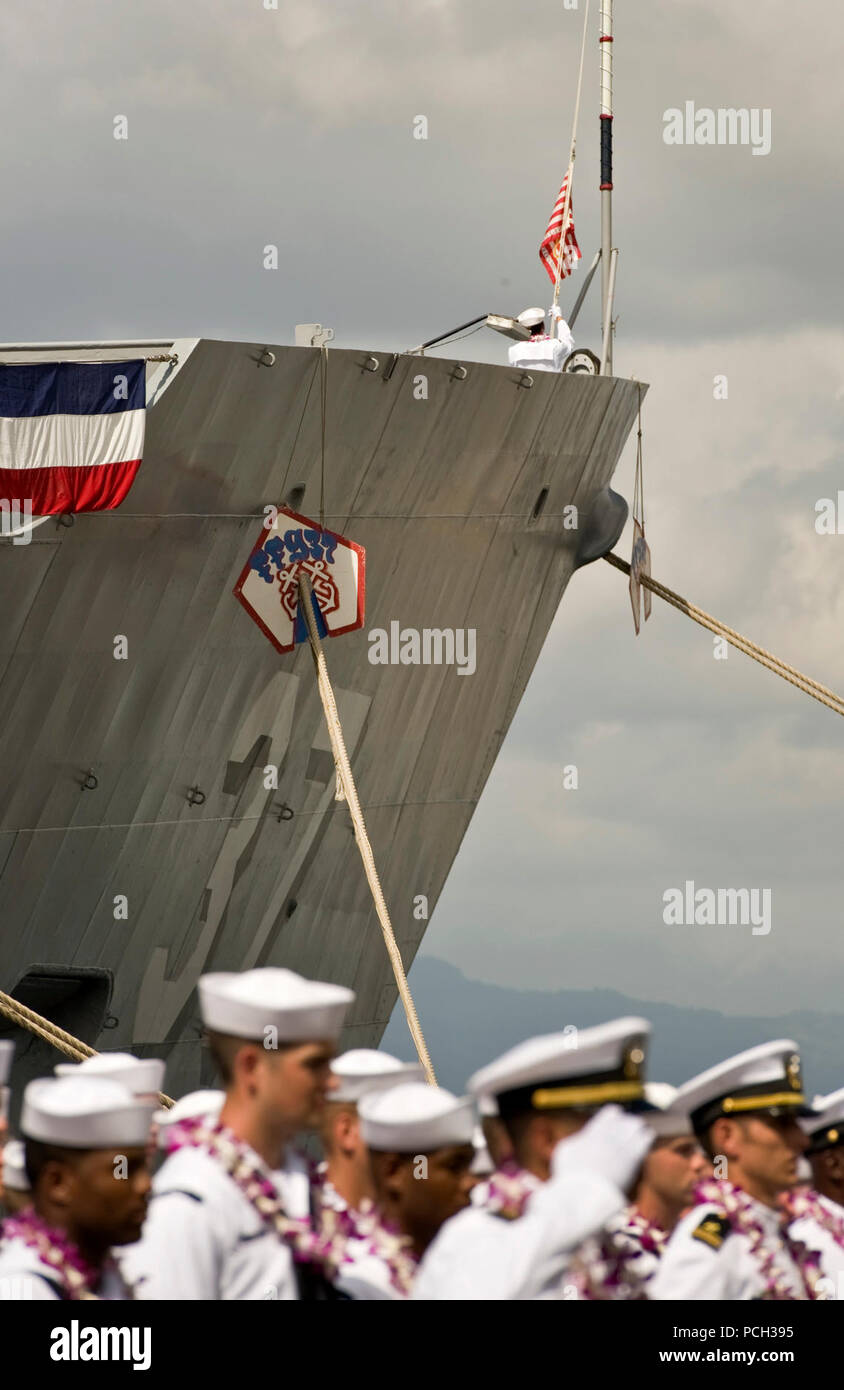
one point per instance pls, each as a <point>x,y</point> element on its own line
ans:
<point>549,251</point>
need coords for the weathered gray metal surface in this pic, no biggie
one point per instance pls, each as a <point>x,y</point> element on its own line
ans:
<point>441,492</point>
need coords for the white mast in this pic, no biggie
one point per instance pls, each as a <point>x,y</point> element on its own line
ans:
<point>605,40</point>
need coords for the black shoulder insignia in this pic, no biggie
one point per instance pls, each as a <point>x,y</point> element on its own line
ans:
<point>713,1230</point>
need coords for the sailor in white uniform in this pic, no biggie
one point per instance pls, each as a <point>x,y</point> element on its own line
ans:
<point>85,1152</point>
<point>618,1262</point>
<point>420,1142</point>
<point>570,1172</point>
<point>542,352</point>
<point>345,1181</point>
<point>218,1226</point>
<point>818,1207</point>
<point>15,1187</point>
<point>736,1243</point>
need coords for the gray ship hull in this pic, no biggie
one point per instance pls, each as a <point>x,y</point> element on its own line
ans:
<point>115,897</point>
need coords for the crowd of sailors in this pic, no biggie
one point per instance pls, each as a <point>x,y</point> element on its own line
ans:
<point>562,1173</point>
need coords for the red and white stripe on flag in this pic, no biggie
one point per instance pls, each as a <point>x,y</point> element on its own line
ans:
<point>549,251</point>
<point>71,433</point>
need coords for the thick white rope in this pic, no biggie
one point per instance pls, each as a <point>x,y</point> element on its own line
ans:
<point>346,784</point>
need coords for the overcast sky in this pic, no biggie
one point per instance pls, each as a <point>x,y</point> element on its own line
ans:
<point>249,126</point>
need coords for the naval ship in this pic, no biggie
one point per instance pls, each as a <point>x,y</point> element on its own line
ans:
<point>140,845</point>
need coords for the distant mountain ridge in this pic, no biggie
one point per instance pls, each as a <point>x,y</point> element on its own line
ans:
<point>466,1023</point>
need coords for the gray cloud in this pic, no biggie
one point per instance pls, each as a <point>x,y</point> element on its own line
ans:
<point>294,127</point>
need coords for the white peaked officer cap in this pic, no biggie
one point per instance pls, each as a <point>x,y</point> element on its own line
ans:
<point>826,1127</point>
<point>363,1070</point>
<point>143,1076</point>
<point>84,1112</point>
<point>245,1004</point>
<point>7,1052</point>
<point>668,1118</point>
<point>578,1070</point>
<point>487,1107</point>
<point>415,1118</point>
<point>531,316</point>
<point>14,1167</point>
<point>195,1105</point>
<point>765,1078</point>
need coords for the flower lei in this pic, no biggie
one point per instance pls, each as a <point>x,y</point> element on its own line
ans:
<point>509,1189</point>
<point>740,1209</point>
<point>383,1240</point>
<point>58,1252</point>
<point>797,1204</point>
<point>611,1264</point>
<point>324,1248</point>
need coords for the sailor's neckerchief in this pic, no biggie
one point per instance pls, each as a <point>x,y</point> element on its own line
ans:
<point>77,1278</point>
<point>741,1211</point>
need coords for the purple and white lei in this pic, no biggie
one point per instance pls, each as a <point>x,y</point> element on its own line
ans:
<point>740,1210</point>
<point>54,1248</point>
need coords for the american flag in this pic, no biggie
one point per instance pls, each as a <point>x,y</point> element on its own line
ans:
<point>549,251</point>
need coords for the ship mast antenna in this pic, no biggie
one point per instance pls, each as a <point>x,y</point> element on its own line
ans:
<point>605,41</point>
<point>572,152</point>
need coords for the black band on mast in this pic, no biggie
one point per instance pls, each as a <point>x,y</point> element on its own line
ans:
<point>606,152</point>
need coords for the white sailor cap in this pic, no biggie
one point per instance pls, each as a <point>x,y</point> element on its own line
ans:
<point>364,1070</point>
<point>246,1004</point>
<point>14,1167</point>
<point>765,1078</point>
<point>826,1127</point>
<point>84,1112</point>
<point>143,1076</point>
<point>195,1105</point>
<point>531,316</point>
<point>415,1118</point>
<point>576,1069</point>
<point>669,1118</point>
<point>7,1052</point>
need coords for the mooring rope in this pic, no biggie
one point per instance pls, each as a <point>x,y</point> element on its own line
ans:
<point>346,785</point>
<point>802,682</point>
<point>51,1033</point>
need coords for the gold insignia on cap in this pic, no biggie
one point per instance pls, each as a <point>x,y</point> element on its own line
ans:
<point>792,1071</point>
<point>832,1136</point>
<point>633,1059</point>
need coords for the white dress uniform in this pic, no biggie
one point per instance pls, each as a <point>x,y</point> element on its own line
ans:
<point>717,1262</point>
<point>544,353</point>
<point>204,1238</point>
<point>711,1254</point>
<point>411,1118</point>
<point>481,1255</point>
<point>83,1113</point>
